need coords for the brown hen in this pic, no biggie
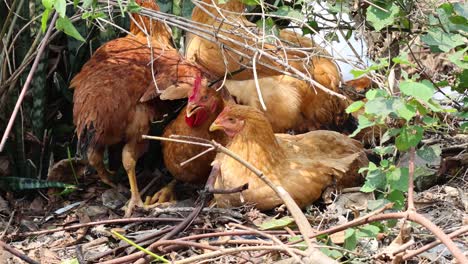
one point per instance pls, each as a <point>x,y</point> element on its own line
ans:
<point>303,164</point>
<point>117,93</point>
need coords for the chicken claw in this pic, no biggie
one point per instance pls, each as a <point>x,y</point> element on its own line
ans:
<point>165,195</point>
<point>132,203</point>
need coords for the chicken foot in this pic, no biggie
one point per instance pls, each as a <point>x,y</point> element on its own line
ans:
<point>165,195</point>
<point>96,160</point>
<point>131,152</point>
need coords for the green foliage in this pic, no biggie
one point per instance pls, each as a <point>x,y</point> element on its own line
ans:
<point>352,235</point>
<point>382,16</point>
<point>277,223</point>
<point>20,184</point>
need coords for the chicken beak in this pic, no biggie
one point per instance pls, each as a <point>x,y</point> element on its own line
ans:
<point>215,127</point>
<point>191,109</point>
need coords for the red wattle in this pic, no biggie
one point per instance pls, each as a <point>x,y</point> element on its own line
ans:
<point>197,119</point>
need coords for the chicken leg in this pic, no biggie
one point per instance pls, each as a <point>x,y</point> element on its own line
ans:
<point>131,152</point>
<point>95,158</point>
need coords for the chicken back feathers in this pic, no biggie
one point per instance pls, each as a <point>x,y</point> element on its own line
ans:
<point>116,85</point>
<point>292,104</point>
<point>303,164</point>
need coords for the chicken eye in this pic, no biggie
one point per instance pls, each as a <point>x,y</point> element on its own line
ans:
<point>232,120</point>
<point>205,97</point>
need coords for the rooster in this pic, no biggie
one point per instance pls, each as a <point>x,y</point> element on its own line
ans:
<point>303,164</point>
<point>118,93</point>
<point>204,105</point>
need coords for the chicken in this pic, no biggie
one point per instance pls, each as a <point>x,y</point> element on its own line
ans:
<point>293,105</point>
<point>204,105</point>
<point>303,164</point>
<point>301,53</point>
<point>116,97</point>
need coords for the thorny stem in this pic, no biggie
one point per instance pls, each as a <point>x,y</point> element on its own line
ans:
<point>28,82</point>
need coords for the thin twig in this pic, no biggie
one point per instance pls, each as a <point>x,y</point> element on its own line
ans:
<point>28,82</point>
<point>412,253</point>
<point>104,222</point>
<point>16,253</point>
<point>275,239</point>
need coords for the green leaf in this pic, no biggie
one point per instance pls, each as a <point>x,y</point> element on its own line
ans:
<point>379,18</point>
<point>447,7</point>
<point>403,60</point>
<point>461,8</point>
<point>313,24</point>
<point>373,205</point>
<point>48,4</point>
<point>61,7</point>
<point>406,111</point>
<point>368,231</point>
<point>332,253</point>
<point>363,123</point>
<point>374,180</point>
<point>420,90</point>
<point>374,93</point>
<point>65,25</point>
<point>398,198</point>
<point>270,29</point>
<point>301,245</point>
<point>133,7</point>
<point>354,107</point>
<point>87,3</point>
<point>44,19</point>
<point>384,150</point>
<point>18,184</point>
<point>410,136</point>
<point>380,106</point>
<point>458,20</point>
<point>430,121</point>
<point>429,153</point>
<point>276,223</point>
<point>350,239</point>
<point>289,12</point>
<point>250,2</point>
<point>70,261</point>
<point>464,128</point>
<point>462,80</point>
<point>398,179</point>
<point>459,58</point>
<point>444,41</point>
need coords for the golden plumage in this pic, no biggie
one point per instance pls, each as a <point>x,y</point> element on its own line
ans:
<point>303,164</point>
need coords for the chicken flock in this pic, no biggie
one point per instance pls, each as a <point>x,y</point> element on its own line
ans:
<point>132,81</point>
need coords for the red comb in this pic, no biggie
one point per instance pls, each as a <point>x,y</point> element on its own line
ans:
<point>196,87</point>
